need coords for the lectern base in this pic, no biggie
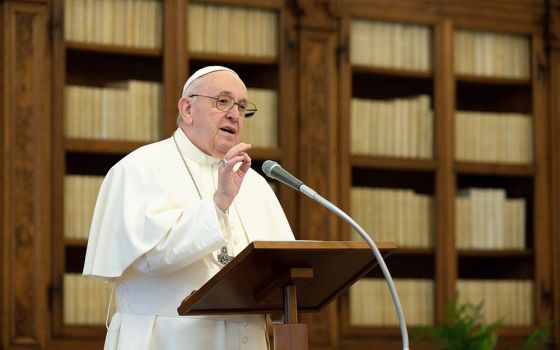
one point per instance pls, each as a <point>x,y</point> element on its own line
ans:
<point>290,336</point>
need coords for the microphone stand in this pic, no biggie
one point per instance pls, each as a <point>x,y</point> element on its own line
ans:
<point>315,196</point>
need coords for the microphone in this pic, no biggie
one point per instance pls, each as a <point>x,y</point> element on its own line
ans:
<point>275,171</point>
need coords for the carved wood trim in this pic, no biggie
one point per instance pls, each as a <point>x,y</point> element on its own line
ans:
<point>515,16</point>
<point>554,24</point>
<point>317,14</point>
<point>27,173</point>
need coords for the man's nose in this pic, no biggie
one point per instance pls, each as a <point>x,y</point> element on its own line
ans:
<point>234,112</point>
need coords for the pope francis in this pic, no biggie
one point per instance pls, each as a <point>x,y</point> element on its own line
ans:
<point>171,214</point>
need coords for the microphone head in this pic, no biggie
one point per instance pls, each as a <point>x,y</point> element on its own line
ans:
<point>267,166</point>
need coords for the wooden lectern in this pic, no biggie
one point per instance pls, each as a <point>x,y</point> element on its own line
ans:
<point>265,276</point>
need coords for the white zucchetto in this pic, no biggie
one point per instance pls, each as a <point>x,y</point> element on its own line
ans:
<point>203,71</point>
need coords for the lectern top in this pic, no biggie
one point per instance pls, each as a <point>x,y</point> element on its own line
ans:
<point>238,287</point>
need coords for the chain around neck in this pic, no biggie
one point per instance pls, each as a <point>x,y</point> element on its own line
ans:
<point>186,166</point>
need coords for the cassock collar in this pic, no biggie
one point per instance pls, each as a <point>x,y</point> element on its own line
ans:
<point>191,151</point>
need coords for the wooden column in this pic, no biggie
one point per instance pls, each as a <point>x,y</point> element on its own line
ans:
<point>542,186</point>
<point>445,186</point>
<point>319,161</point>
<point>175,68</point>
<point>25,127</point>
<point>554,76</point>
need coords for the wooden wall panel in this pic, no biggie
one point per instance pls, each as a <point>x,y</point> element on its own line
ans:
<point>318,156</point>
<point>554,74</point>
<point>26,172</point>
<point>555,183</point>
<point>318,146</point>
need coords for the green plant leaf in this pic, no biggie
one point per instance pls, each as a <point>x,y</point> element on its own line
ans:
<point>539,339</point>
<point>462,329</point>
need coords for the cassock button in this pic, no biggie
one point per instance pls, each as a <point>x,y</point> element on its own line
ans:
<point>236,242</point>
<point>245,340</point>
<point>244,324</point>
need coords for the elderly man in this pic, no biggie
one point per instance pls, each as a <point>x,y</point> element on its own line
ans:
<point>171,214</point>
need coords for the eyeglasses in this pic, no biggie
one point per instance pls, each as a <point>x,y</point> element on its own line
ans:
<point>225,103</point>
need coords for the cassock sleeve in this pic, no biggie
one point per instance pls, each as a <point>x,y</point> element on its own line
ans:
<point>133,215</point>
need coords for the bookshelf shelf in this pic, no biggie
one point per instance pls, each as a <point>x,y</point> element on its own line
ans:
<point>377,162</point>
<point>486,80</point>
<point>75,242</point>
<point>101,146</point>
<point>495,253</point>
<point>492,169</point>
<point>112,49</point>
<point>392,72</point>
<point>232,59</point>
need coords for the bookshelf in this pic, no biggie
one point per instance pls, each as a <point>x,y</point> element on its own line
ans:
<point>315,81</point>
<point>104,80</point>
<point>392,179</point>
<point>111,83</point>
<point>469,86</point>
<point>521,177</point>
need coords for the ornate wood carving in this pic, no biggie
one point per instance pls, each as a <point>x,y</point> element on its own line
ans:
<point>317,14</point>
<point>26,172</point>
<point>554,24</point>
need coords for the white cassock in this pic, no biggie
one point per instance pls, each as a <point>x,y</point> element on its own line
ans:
<point>157,240</point>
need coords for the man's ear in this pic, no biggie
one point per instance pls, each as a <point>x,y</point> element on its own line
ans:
<point>184,105</point>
